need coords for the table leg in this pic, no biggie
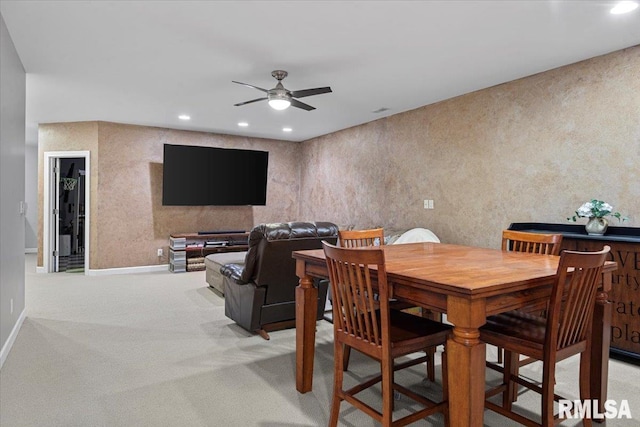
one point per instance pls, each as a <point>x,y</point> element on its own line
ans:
<point>601,338</point>
<point>306,314</point>
<point>466,356</point>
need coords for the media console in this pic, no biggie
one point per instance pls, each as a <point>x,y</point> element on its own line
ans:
<point>187,251</point>
<point>625,292</point>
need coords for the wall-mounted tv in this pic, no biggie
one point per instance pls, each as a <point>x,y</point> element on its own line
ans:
<point>204,176</point>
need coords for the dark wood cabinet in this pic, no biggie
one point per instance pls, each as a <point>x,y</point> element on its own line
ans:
<point>625,294</point>
<point>187,250</point>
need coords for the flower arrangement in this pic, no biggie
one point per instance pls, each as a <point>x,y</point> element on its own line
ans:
<point>596,209</point>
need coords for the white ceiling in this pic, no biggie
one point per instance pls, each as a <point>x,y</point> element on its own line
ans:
<point>146,62</point>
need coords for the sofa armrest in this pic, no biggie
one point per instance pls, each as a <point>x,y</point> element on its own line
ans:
<point>233,272</point>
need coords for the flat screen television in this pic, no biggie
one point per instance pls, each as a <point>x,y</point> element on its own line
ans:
<point>205,176</point>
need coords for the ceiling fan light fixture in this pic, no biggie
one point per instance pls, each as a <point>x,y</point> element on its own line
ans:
<point>279,103</point>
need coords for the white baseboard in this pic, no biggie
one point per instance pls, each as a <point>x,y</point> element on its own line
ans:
<point>6,348</point>
<point>120,270</point>
<point>30,250</point>
<point>128,270</point>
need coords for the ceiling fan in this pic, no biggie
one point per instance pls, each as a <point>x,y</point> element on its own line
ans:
<point>281,98</point>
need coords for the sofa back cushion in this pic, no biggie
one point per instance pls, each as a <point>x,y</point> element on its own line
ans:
<point>269,262</point>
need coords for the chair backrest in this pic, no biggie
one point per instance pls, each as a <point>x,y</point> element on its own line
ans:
<point>360,238</point>
<point>537,243</point>
<point>355,313</point>
<point>573,298</point>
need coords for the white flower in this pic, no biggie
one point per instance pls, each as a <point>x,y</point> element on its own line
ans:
<point>585,210</point>
<point>596,208</point>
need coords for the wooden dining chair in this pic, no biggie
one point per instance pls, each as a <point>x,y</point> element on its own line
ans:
<point>536,243</point>
<point>358,239</point>
<point>361,238</point>
<point>565,332</point>
<point>375,237</point>
<point>369,326</point>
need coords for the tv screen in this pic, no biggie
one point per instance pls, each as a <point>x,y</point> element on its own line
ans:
<point>201,176</point>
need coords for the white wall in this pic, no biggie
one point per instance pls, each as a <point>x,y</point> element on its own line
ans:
<point>12,163</point>
<point>31,197</point>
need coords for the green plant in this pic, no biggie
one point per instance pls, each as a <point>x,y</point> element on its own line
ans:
<point>596,209</point>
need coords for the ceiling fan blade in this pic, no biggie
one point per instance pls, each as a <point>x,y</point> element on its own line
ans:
<point>309,92</point>
<point>249,102</point>
<point>296,103</point>
<point>251,86</point>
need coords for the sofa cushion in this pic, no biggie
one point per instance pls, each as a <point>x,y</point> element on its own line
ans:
<point>213,262</point>
<point>226,258</point>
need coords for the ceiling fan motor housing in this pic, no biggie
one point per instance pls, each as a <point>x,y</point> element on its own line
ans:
<point>279,74</point>
<point>279,92</point>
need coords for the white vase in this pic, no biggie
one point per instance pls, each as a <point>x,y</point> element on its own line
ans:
<point>596,226</point>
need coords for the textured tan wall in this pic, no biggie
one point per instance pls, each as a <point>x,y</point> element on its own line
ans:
<point>128,221</point>
<point>533,149</point>
<point>529,150</point>
<point>79,136</point>
<point>130,211</point>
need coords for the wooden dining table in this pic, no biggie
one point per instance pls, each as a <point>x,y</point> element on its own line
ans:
<point>468,284</point>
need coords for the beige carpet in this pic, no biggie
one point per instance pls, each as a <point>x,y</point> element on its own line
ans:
<point>156,350</point>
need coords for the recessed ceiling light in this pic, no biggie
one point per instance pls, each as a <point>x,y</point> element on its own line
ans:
<point>243,124</point>
<point>624,7</point>
<point>287,129</point>
<point>184,117</point>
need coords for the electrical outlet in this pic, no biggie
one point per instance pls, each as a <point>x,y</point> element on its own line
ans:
<point>160,252</point>
<point>428,204</point>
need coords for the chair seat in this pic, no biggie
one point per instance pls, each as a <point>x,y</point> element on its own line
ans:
<point>412,332</point>
<point>400,305</point>
<point>407,328</point>
<point>518,327</point>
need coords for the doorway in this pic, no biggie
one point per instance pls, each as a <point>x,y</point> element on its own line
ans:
<point>66,212</point>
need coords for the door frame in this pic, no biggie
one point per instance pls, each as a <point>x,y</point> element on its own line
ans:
<point>48,227</point>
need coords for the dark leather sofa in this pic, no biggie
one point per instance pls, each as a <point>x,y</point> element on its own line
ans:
<point>260,295</point>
